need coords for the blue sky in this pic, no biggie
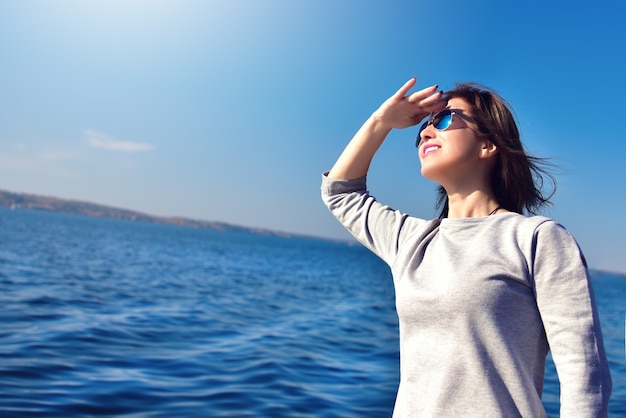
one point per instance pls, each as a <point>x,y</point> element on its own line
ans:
<point>230,110</point>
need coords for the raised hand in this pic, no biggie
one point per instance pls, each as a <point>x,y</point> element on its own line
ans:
<point>399,111</point>
<point>403,109</point>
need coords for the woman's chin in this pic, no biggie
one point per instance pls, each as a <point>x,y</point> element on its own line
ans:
<point>431,174</point>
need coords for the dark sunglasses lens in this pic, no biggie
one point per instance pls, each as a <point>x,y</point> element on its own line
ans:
<point>442,120</point>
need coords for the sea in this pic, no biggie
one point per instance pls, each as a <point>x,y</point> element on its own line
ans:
<point>102,317</point>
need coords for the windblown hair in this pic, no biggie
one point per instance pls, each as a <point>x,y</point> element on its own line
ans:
<point>517,179</point>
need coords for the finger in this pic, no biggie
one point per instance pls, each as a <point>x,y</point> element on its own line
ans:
<point>434,106</point>
<point>405,89</point>
<point>433,98</point>
<point>423,94</point>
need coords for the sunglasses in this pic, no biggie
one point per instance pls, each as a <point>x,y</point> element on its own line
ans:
<point>441,121</point>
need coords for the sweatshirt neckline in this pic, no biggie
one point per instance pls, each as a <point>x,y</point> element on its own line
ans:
<point>475,219</point>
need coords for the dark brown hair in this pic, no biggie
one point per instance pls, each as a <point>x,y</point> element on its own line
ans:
<point>518,179</point>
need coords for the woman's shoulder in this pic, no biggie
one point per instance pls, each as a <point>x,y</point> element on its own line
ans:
<point>524,221</point>
<point>537,225</point>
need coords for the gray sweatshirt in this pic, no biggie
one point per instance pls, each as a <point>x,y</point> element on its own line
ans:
<point>480,302</point>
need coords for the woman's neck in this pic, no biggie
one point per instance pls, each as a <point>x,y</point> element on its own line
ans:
<point>470,205</point>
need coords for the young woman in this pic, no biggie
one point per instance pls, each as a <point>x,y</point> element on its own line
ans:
<point>483,292</point>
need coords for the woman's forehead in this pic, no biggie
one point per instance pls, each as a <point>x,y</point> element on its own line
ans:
<point>459,105</point>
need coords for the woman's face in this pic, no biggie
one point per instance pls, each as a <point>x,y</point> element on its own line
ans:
<point>454,154</point>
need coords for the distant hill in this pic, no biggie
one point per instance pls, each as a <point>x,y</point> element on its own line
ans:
<point>53,204</point>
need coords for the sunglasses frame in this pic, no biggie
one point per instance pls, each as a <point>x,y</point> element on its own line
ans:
<point>431,121</point>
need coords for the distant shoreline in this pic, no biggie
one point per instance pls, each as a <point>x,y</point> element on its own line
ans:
<point>14,200</point>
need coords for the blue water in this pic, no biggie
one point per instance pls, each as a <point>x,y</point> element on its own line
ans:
<point>112,318</point>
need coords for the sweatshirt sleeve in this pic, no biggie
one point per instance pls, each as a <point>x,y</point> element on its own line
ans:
<point>378,227</point>
<point>568,310</point>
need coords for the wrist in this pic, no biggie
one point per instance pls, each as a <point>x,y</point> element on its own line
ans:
<point>377,124</point>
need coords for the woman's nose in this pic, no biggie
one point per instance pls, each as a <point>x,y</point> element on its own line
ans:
<point>427,133</point>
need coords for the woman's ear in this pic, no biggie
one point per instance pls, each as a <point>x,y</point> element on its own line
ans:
<point>488,150</point>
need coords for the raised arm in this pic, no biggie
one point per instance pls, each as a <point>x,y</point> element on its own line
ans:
<point>399,111</point>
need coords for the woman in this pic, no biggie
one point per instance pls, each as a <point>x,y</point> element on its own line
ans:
<point>484,292</point>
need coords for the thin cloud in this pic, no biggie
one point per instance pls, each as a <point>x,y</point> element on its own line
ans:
<point>104,141</point>
<point>17,165</point>
<point>24,160</point>
<point>60,155</point>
